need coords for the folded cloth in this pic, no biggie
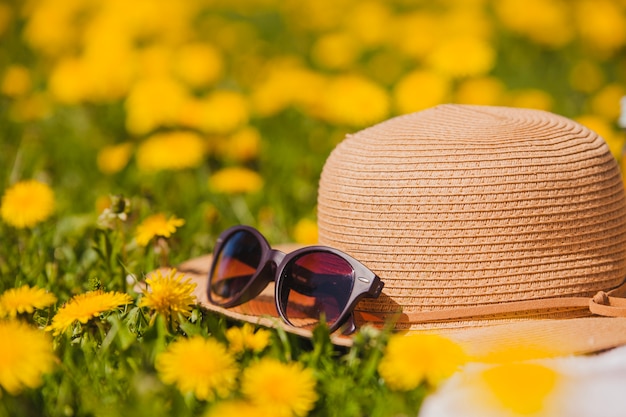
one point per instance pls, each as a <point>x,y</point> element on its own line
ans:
<point>574,386</point>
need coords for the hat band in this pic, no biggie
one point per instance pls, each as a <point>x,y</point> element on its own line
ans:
<point>608,304</point>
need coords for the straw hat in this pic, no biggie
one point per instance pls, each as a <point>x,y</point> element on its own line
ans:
<point>489,224</point>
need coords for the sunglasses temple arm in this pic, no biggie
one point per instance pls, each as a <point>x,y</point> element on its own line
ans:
<point>376,288</point>
<point>349,326</point>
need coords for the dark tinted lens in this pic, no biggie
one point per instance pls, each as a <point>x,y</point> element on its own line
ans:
<point>313,285</point>
<point>234,266</point>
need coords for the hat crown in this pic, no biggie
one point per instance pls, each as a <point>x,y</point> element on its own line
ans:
<point>460,206</point>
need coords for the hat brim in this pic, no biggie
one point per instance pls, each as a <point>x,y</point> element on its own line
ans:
<point>536,337</point>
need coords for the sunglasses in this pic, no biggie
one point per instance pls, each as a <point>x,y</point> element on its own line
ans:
<point>312,284</point>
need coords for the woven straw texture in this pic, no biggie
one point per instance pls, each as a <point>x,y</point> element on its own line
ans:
<point>464,205</point>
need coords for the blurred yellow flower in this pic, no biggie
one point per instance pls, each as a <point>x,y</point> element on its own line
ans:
<point>221,112</point>
<point>469,18</point>
<point>26,354</point>
<point>51,26</point>
<point>235,180</point>
<point>169,295</point>
<point>601,24</point>
<point>462,57</point>
<point>335,51</point>
<point>521,388</point>
<point>416,33</point>
<point>369,22</point>
<point>546,22</point>
<point>200,366</point>
<point>243,145</point>
<point>281,87</point>
<point>286,388</point>
<point>419,90</point>
<point>245,338</point>
<point>586,76</point>
<point>154,102</point>
<point>156,225</point>
<point>306,232</point>
<point>24,299</point>
<point>531,98</point>
<point>353,100</point>
<point>108,67</point>
<point>410,359</point>
<point>113,158</point>
<point>34,106</point>
<point>16,81</point>
<point>315,15</point>
<point>606,102</point>
<point>198,64</point>
<point>154,61</point>
<point>488,91</point>
<point>170,151</point>
<point>27,203</point>
<point>604,128</point>
<point>83,307</point>
<point>68,82</point>
<point>6,16</point>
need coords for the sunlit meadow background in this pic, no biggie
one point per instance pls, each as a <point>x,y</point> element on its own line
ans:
<point>210,113</point>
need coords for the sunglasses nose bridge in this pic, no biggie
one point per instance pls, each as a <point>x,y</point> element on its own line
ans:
<point>276,257</point>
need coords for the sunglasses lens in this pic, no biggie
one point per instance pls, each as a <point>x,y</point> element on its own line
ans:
<point>315,285</point>
<point>234,266</point>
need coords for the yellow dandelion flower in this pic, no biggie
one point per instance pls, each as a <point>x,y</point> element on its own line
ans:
<point>171,151</point>
<point>201,366</point>
<point>286,388</point>
<point>34,106</point>
<point>16,81</point>
<point>221,112</point>
<point>369,22</point>
<point>488,91</point>
<point>416,33</point>
<point>112,159</point>
<point>531,98</point>
<point>169,295</point>
<point>522,388</point>
<point>25,355</point>
<point>234,180</point>
<point>83,307</point>
<point>6,15</point>
<point>24,299</point>
<point>306,232</point>
<point>198,64</point>
<point>238,408</point>
<point>242,145</point>
<point>336,51</point>
<point>410,359</point>
<point>419,90</point>
<point>68,82</point>
<point>353,100</point>
<point>245,338</point>
<point>154,102</point>
<point>154,61</point>
<point>601,24</point>
<point>156,225</point>
<point>282,87</point>
<point>50,27</point>
<point>546,22</point>
<point>27,203</point>
<point>478,57</point>
<point>606,102</point>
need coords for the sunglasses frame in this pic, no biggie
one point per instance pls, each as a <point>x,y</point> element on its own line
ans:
<point>272,267</point>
